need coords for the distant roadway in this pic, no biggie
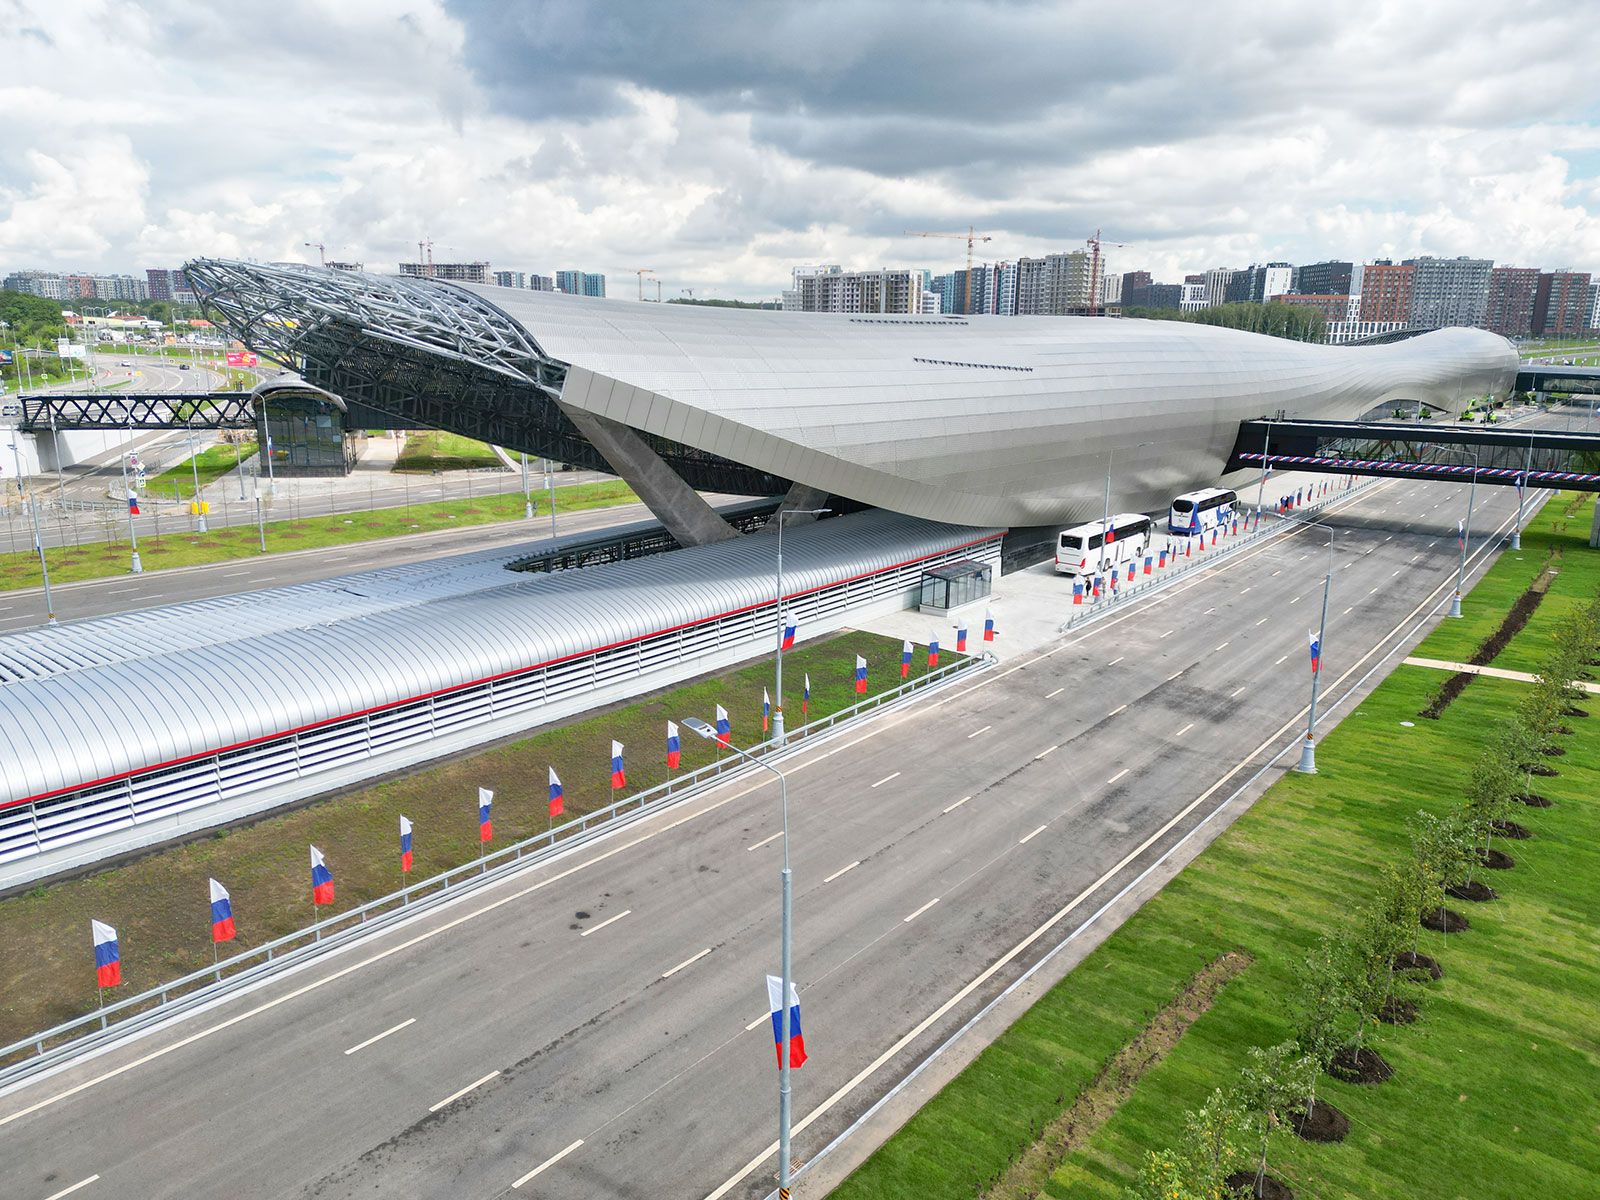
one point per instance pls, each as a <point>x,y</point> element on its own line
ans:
<point>597,1026</point>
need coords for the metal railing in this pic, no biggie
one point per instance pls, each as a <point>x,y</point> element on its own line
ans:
<point>115,1020</point>
<point>1143,585</point>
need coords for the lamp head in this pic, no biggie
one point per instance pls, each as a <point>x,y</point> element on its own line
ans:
<point>697,726</point>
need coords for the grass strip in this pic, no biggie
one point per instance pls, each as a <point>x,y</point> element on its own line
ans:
<point>431,450</point>
<point>212,464</point>
<point>158,902</point>
<point>182,548</point>
<point>1495,1088</point>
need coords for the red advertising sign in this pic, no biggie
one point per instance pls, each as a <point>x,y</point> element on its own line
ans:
<point>241,358</point>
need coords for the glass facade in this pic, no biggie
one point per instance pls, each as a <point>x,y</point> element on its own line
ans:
<point>955,585</point>
<point>307,436</point>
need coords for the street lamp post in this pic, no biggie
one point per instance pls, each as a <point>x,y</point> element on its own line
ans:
<point>777,703</point>
<point>550,486</point>
<point>1266,469</point>
<point>199,512</point>
<point>527,500</point>
<point>134,566</point>
<point>1466,538</point>
<point>38,540</point>
<point>1522,486</point>
<point>705,730</point>
<point>1308,749</point>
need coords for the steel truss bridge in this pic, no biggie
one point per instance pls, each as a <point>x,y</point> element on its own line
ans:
<point>1573,380</point>
<point>1540,458</point>
<point>138,410</point>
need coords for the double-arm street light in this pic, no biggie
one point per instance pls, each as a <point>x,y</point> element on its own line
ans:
<point>705,730</point>
<point>777,701</point>
<point>1466,537</point>
<point>1308,749</point>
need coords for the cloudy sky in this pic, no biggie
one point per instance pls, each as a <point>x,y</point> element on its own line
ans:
<point>721,144</point>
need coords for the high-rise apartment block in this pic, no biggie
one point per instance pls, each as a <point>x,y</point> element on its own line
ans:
<point>1511,294</point>
<point>1561,305</point>
<point>1330,278</point>
<point>580,283</point>
<point>1055,285</point>
<point>511,279</point>
<point>1449,291</point>
<point>67,288</point>
<point>833,289</point>
<point>547,283</point>
<point>1386,292</point>
<point>464,272</point>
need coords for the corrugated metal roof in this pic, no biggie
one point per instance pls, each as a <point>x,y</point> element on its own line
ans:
<point>99,698</point>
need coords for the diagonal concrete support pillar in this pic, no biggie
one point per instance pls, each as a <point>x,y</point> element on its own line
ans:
<point>676,505</point>
<point>799,496</point>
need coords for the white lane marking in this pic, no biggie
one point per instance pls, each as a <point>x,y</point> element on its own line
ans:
<point>1243,590</point>
<point>1263,620</point>
<point>686,962</point>
<point>1348,611</point>
<point>380,1036</point>
<point>235,574</point>
<point>986,728</point>
<point>1371,591</point>
<point>956,805</point>
<point>1277,572</point>
<point>549,1162</point>
<point>1052,750</point>
<point>454,1096</point>
<point>1184,730</point>
<point>1224,646</point>
<point>607,921</point>
<point>886,779</point>
<point>1116,710</point>
<point>1390,538</point>
<point>1237,690</point>
<point>1119,774</point>
<point>1173,676</point>
<point>764,1019</point>
<point>1029,837</point>
<point>920,911</point>
<point>1414,557</point>
<point>765,840</point>
<point>120,591</point>
<point>1116,660</point>
<point>1296,600</point>
<point>67,1191</point>
<point>842,870</point>
<point>1281,661</point>
<point>1055,693</point>
<point>1208,612</point>
<point>1167,634</point>
<point>1397,571</point>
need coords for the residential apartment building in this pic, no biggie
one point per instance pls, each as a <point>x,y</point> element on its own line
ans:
<point>580,283</point>
<point>547,283</point>
<point>1385,292</point>
<point>833,289</point>
<point>67,288</point>
<point>1334,308</point>
<point>1055,285</point>
<point>463,272</point>
<point>1331,278</point>
<point>511,279</point>
<point>1339,333</point>
<point>1132,282</point>
<point>1192,296</point>
<point>1449,291</point>
<point>1561,303</point>
<point>1216,284</point>
<point>346,266</point>
<point>1510,307</point>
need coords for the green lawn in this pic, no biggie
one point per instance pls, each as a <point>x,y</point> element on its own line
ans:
<point>181,548</point>
<point>430,450</point>
<point>158,902</point>
<point>213,463</point>
<point>1496,1091</point>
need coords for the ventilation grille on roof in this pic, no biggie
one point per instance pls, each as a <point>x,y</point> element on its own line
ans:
<point>942,362</point>
<point>900,321</point>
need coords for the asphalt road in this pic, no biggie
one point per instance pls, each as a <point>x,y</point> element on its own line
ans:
<point>603,1017</point>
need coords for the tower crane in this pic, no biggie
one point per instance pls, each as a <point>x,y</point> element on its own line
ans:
<point>322,251</point>
<point>970,237</point>
<point>641,272</point>
<point>1094,245</point>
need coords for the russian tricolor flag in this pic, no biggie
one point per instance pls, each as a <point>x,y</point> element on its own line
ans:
<point>905,658</point>
<point>766,710</point>
<point>321,879</point>
<point>790,628</point>
<point>724,729</point>
<point>988,624</point>
<point>933,654</point>
<point>1077,591</point>
<point>674,746</point>
<point>107,958</point>
<point>619,779</point>
<point>133,503</point>
<point>405,846</point>
<point>1316,653</point>
<point>861,676</point>
<point>805,699</point>
<point>221,913</point>
<point>1461,535</point>
<point>557,805</point>
<point>961,638</point>
<point>485,825</point>
<point>797,1041</point>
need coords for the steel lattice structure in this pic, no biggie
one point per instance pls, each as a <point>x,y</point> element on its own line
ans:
<point>139,410</point>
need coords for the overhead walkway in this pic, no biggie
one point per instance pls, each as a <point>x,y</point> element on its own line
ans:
<point>124,731</point>
<point>1579,380</point>
<point>1456,452</point>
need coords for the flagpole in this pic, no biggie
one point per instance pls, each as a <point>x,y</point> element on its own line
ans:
<point>216,958</point>
<point>1308,750</point>
<point>1466,538</point>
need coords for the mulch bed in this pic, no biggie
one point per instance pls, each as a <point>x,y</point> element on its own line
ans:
<point>1553,751</point>
<point>1410,960</point>
<point>1444,920</point>
<point>1532,799</point>
<point>1360,1066</point>
<point>1497,860</point>
<point>1321,1123</point>
<point>1516,617</point>
<point>1570,711</point>
<point>1565,730</point>
<point>1268,1188</point>
<point>1398,1011</point>
<point>1541,770</point>
<point>1477,891</point>
<point>1510,829</point>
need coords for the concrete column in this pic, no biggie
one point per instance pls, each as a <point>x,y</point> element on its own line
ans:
<point>799,496</point>
<point>676,505</point>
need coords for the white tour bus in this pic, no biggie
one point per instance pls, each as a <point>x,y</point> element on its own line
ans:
<point>1081,550</point>
<point>1195,512</point>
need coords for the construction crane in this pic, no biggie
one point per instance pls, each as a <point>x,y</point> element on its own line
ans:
<point>641,272</point>
<point>322,252</point>
<point>970,236</point>
<point>1094,244</point>
<point>425,257</point>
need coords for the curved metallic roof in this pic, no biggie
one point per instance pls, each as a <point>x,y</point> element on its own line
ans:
<point>973,420</point>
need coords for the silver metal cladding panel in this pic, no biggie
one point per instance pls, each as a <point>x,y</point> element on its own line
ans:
<point>1018,432</point>
<point>99,698</point>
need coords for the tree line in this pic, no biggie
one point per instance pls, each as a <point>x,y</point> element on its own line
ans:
<point>1292,321</point>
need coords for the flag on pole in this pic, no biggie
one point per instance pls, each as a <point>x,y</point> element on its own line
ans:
<point>933,654</point>
<point>557,804</point>
<point>790,628</point>
<point>674,746</point>
<point>618,778</point>
<point>1316,653</point>
<point>905,658</point>
<point>805,700</point>
<point>133,503</point>
<point>724,729</point>
<point>988,624</point>
<point>861,676</point>
<point>107,958</point>
<point>961,638</point>
<point>221,913</point>
<point>797,1042</point>
<point>485,826</point>
<point>321,879</point>
<point>766,710</point>
<point>1461,535</point>
<point>405,846</point>
<point>1077,591</point>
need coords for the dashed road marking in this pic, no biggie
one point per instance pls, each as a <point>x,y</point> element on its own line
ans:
<point>1184,730</point>
<point>549,1162</point>
<point>956,805</point>
<point>1029,837</point>
<point>693,958</point>
<point>886,779</point>
<point>1051,750</point>
<point>920,911</point>
<point>1119,775</point>
<point>607,921</point>
<point>454,1096</point>
<point>842,870</point>
<point>985,729</point>
<point>774,837</point>
<point>380,1036</point>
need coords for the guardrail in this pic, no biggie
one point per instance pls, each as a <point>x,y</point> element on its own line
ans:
<point>1143,585</point>
<point>48,1047</point>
